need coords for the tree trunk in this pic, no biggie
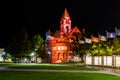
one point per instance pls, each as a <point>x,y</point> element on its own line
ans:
<point>82,59</point>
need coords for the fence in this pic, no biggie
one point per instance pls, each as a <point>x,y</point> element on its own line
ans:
<point>113,60</point>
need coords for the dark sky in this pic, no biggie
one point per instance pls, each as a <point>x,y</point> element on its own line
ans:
<point>37,16</point>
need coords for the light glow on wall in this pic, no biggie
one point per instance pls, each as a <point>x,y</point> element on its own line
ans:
<point>55,48</point>
<point>60,48</point>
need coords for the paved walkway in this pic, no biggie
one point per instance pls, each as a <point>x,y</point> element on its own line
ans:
<point>104,71</point>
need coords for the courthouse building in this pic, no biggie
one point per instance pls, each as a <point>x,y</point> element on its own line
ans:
<point>58,46</point>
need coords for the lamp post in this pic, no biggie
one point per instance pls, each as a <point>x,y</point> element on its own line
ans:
<point>32,56</point>
<point>50,56</point>
<point>4,55</point>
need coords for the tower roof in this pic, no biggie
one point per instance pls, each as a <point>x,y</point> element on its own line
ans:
<point>65,14</point>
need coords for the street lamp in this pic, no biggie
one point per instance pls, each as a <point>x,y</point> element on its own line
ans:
<point>50,56</point>
<point>49,52</point>
<point>32,56</point>
<point>4,55</point>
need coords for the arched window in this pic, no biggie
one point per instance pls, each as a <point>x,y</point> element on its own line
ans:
<point>67,28</point>
<point>63,55</point>
<point>58,56</point>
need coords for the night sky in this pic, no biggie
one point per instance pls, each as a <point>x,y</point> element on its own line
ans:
<point>96,16</point>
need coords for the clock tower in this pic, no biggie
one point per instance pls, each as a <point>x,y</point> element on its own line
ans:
<point>65,23</point>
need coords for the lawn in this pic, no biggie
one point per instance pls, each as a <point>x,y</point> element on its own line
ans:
<point>29,75</point>
<point>46,66</point>
<point>23,75</point>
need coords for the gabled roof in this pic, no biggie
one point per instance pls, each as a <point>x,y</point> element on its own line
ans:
<point>57,34</point>
<point>75,29</point>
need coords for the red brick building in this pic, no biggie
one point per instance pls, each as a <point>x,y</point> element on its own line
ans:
<point>58,45</point>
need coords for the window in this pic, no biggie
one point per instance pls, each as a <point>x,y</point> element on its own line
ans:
<point>62,47</point>
<point>58,47</point>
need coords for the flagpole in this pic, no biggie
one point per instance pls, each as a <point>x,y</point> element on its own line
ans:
<point>106,31</point>
<point>116,30</point>
<point>106,34</point>
<point>99,37</point>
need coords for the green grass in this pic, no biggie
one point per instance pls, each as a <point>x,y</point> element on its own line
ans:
<point>47,66</point>
<point>20,75</point>
<point>29,75</point>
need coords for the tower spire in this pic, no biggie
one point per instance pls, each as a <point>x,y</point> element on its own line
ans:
<point>65,14</point>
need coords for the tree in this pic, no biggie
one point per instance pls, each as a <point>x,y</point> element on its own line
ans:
<point>81,52</point>
<point>75,42</point>
<point>78,48</point>
<point>102,48</point>
<point>37,42</point>
<point>116,48</point>
<point>94,49</point>
<point>109,47</point>
<point>20,44</point>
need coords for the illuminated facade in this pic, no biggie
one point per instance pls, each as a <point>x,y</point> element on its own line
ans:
<point>58,46</point>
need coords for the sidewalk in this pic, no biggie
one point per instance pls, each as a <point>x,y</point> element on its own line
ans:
<point>110,70</point>
<point>103,70</point>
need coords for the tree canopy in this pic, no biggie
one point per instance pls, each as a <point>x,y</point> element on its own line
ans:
<point>22,44</point>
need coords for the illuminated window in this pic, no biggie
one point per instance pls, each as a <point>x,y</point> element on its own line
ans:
<point>58,47</point>
<point>62,47</point>
<point>55,48</point>
<point>65,47</point>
